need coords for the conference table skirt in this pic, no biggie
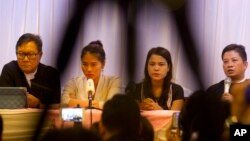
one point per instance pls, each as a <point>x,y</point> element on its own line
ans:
<point>20,124</point>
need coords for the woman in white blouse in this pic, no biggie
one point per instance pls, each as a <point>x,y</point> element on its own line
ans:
<point>93,62</point>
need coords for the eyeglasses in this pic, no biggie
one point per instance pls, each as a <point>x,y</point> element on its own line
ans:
<point>21,55</point>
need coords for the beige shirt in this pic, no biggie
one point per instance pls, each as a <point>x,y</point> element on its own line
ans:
<point>107,87</point>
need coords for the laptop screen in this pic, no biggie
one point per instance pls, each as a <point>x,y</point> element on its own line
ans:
<point>13,97</point>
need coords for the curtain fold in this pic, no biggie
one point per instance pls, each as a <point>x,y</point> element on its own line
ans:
<point>215,24</point>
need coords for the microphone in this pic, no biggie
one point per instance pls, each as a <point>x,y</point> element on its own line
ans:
<point>227,84</point>
<point>90,88</point>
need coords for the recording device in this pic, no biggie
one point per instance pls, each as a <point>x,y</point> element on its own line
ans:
<point>72,114</point>
<point>227,84</point>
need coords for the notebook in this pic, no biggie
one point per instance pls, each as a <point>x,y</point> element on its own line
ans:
<point>13,97</point>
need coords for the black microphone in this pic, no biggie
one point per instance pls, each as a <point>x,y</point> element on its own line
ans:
<point>227,84</point>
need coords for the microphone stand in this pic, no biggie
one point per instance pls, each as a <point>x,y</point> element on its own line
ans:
<point>90,106</point>
<point>77,123</point>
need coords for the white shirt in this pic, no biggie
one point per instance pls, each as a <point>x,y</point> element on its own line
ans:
<point>30,76</point>
<point>107,87</point>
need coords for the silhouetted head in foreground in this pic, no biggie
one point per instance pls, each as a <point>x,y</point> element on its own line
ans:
<point>202,117</point>
<point>70,134</point>
<point>120,119</point>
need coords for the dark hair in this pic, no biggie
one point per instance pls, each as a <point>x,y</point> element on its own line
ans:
<point>204,113</point>
<point>147,130</point>
<point>27,37</point>
<point>190,118</point>
<point>238,48</point>
<point>95,47</point>
<point>70,134</point>
<point>122,114</point>
<point>163,52</point>
<point>94,128</point>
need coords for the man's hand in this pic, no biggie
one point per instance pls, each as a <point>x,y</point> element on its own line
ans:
<point>227,97</point>
<point>33,102</point>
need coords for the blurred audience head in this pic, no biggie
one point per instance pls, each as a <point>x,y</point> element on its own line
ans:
<point>95,129</point>
<point>120,119</point>
<point>191,115</point>
<point>147,130</point>
<point>202,117</point>
<point>70,134</point>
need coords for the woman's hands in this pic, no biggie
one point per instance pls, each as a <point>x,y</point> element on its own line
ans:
<point>82,103</point>
<point>149,104</point>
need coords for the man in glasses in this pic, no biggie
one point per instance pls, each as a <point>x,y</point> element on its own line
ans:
<point>42,82</point>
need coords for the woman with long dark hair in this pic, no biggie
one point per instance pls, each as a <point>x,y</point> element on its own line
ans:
<point>157,91</point>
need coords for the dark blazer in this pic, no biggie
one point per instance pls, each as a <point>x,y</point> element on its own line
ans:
<point>45,86</point>
<point>215,93</point>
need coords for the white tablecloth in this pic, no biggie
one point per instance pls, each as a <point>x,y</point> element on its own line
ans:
<point>20,124</point>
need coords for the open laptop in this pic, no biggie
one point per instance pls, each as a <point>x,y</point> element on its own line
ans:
<point>13,97</point>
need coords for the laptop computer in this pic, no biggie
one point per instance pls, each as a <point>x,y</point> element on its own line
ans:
<point>13,97</point>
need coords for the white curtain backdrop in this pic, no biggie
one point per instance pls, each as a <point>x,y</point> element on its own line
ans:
<point>215,24</point>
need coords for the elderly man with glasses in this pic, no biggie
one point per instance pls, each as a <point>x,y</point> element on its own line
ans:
<point>42,82</point>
